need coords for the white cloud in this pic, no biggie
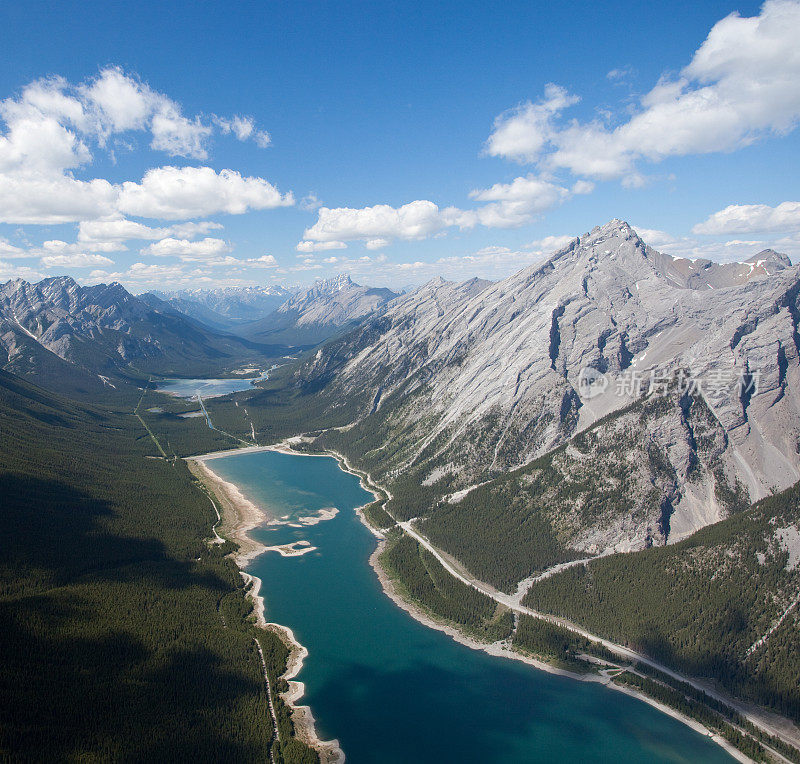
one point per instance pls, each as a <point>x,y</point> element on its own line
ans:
<point>9,271</point>
<point>78,260</point>
<point>244,128</point>
<point>377,243</point>
<point>582,187</point>
<point>508,205</point>
<point>191,229</point>
<point>521,133</point>
<point>549,244</point>
<point>58,247</point>
<point>265,261</point>
<point>490,262</point>
<point>516,203</point>
<point>319,246</point>
<point>310,202</point>
<point>202,250</point>
<point>415,220</point>
<point>176,135</point>
<point>42,130</point>
<point>617,75</point>
<point>178,193</point>
<point>52,199</point>
<point>52,126</point>
<point>654,237</point>
<point>10,251</point>
<point>752,218</point>
<point>121,102</point>
<point>155,271</point>
<point>104,231</point>
<point>116,230</point>
<point>725,251</point>
<point>742,84</point>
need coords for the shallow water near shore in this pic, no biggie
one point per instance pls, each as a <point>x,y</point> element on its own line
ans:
<point>393,690</point>
<point>208,388</point>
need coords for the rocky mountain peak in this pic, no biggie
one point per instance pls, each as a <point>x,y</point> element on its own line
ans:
<point>335,284</point>
<point>770,260</point>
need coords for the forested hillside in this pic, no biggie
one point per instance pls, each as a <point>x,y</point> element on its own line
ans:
<point>124,633</point>
<point>722,604</point>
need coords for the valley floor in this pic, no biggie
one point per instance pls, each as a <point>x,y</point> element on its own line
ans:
<point>240,515</point>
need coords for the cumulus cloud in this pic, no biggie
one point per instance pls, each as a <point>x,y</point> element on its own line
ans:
<point>507,205</point>
<point>116,230</point>
<point>202,250</point>
<point>319,246</point>
<point>10,251</point>
<point>415,220</point>
<point>9,271</point>
<point>549,244</point>
<point>376,243</point>
<point>94,231</point>
<point>155,271</point>
<point>516,203</point>
<point>78,260</point>
<point>265,261</point>
<point>742,84</point>
<point>752,218</point>
<point>52,127</point>
<point>175,193</point>
<point>176,135</point>
<point>59,247</point>
<point>654,237</point>
<point>522,132</point>
<point>48,200</point>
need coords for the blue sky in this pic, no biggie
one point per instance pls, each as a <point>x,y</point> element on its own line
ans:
<point>207,144</point>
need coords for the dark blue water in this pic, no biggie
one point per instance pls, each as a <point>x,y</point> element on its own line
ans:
<point>393,690</point>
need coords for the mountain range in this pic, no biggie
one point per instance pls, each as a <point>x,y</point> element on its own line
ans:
<point>226,307</point>
<point>459,386</point>
<point>313,315</point>
<point>88,339</point>
<point>276,315</point>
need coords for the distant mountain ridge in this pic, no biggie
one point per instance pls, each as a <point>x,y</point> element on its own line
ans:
<point>315,314</point>
<point>226,307</point>
<point>56,330</point>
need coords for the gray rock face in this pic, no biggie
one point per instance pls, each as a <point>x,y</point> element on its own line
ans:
<point>477,379</point>
<point>315,314</point>
<point>100,329</point>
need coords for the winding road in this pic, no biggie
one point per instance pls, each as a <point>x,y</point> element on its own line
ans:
<point>772,725</point>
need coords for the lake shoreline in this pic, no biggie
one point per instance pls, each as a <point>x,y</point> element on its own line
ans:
<point>239,516</point>
<point>306,720</point>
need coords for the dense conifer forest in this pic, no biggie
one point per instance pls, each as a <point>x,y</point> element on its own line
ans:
<point>125,634</point>
<point>422,578</point>
<point>701,605</point>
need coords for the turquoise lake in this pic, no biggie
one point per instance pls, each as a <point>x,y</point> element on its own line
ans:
<point>208,388</point>
<point>392,690</point>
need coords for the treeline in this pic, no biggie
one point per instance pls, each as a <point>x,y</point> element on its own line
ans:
<point>125,635</point>
<point>700,604</point>
<point>420,576</point>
